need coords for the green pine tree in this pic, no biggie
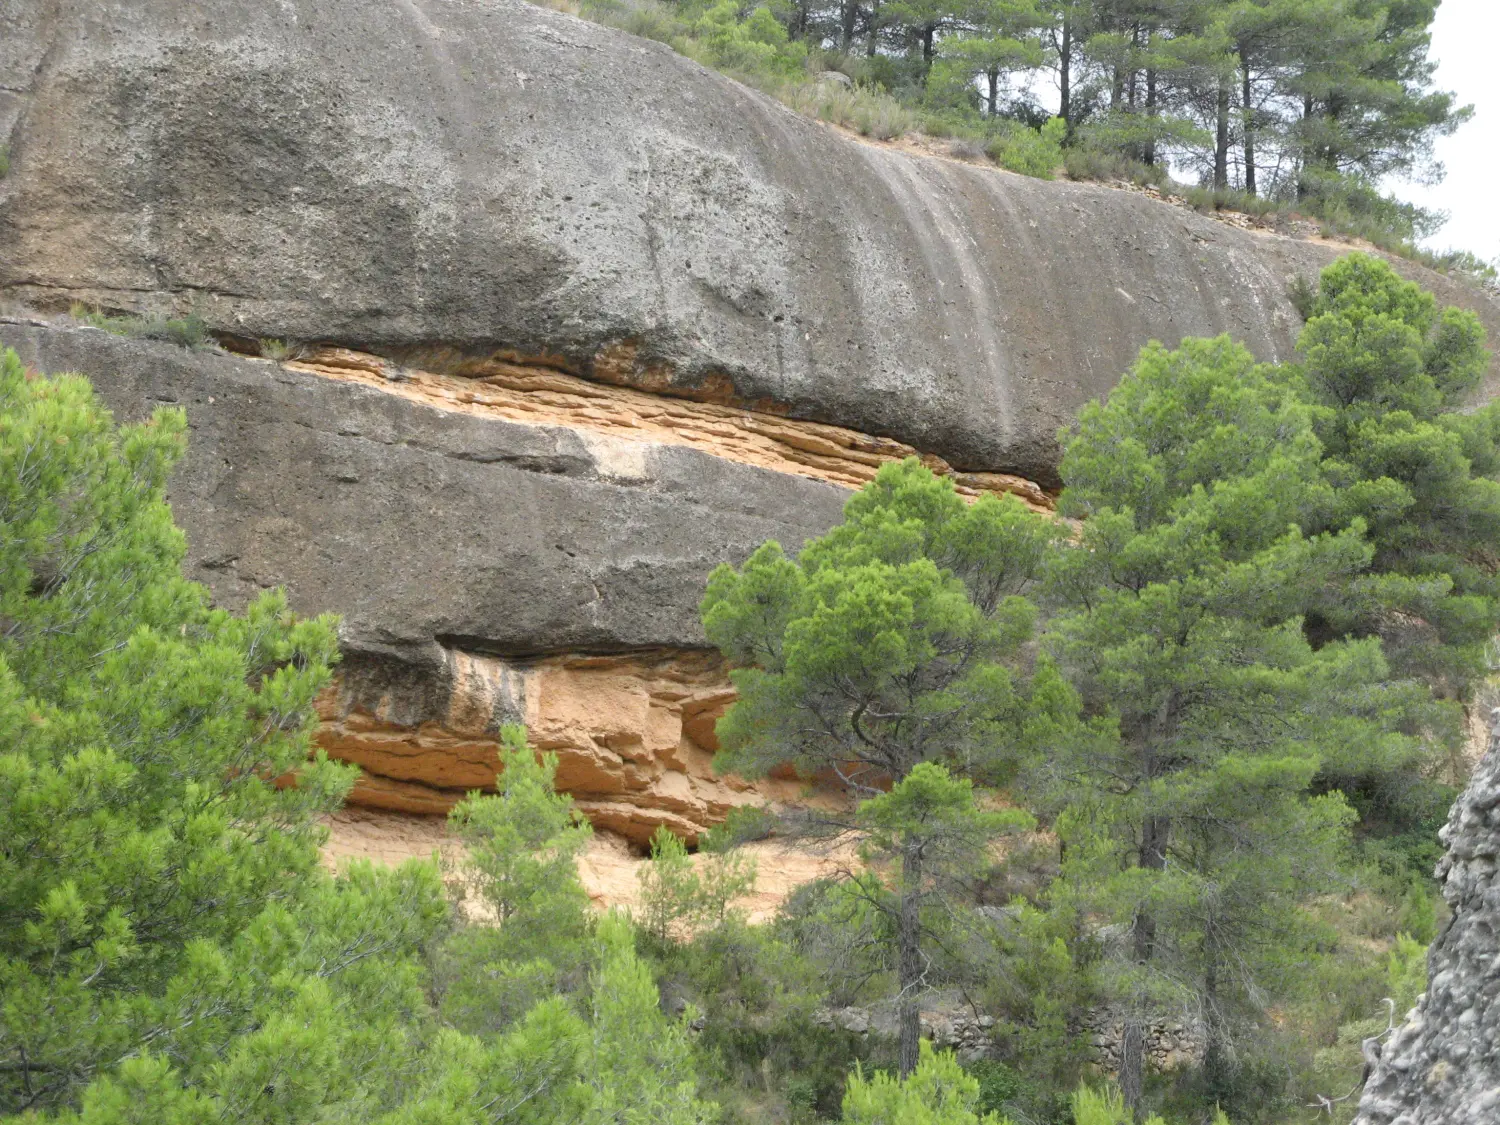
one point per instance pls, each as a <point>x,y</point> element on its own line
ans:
<point>891,642</point>
<point>143,735</point>
<point>518,879</point>
<point>1189,813</point>
<point>937,1092</point>
<point>1389,375</point>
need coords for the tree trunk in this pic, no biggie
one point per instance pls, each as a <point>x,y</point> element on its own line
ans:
<point>1215,1058</point>
<point>798,29</point>
<point>1221,140</point>
<point>1064,74</point>
<point>874,38</point>
<point>994,77</point>
<point>1149,155</point>
<point>929,36</point>
<point>846,32</point>
<point>1306,153</point>
<point>1248,107</point>
<point>909,958</point>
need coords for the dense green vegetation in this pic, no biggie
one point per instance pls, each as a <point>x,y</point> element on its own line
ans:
<point>1259,105</point>
<point>1178,761</point>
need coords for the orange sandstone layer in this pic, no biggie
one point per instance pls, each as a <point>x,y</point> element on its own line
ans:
<point>633,734</point>
<point>540,395</point>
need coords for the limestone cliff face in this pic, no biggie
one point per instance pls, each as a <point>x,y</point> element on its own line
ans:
<point>484,178</point>
<point>1442,1065</point>
<point>583,320</point>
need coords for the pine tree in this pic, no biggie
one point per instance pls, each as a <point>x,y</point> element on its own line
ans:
<point>999,40</point>
<point>937,1092</point>
<point>1365,82</point>
<point>890,642</point>
<point>1189,813</point>
<point>143,732</point>
<point>519,879</point>
<point>1389,374</point>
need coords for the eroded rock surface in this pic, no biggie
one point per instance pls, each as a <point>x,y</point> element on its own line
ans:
<point>431,530</point>
<point>633,735</point>
<point>484,178</point>
<point>464,550</point>
<point>1442,1065</point>
<point>539,395</point>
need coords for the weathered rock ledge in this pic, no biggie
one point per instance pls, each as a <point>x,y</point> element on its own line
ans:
<point>534,393</point>
<point>633,734</point>
<point>487,569</point>
<point>1442,1064</point>
<point>430,529</point>
<point>476,177</point>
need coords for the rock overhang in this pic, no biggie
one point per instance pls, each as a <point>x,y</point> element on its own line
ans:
<point>493,176</point>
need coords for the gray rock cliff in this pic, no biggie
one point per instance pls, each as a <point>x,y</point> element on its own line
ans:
<point>1442,1064</point>
<point>426,528</point>
<point>460,177</point>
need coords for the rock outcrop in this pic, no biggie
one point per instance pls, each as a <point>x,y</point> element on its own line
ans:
<point>567,320</point>
<point>1441,1066</point>
<point>483,178</point>
<point>429,529</point>
<point>539,395</point>
<point>487,571</point>
<point>633,735</point>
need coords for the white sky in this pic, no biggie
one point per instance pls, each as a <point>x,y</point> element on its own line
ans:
<point>1466,44</point>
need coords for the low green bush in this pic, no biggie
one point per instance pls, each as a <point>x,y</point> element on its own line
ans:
<point>186,332</point>
<point>1031,152</point>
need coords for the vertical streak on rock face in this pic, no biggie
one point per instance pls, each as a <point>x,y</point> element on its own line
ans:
<point>500,177</point>
<point>1442,1065</point>
<point>925,194</point>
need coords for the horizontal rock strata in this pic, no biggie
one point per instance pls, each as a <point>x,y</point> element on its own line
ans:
<point>539,395</point>
<point>463,548</point>
<point>428,529</point>
<point>633,735</point>
<point>491,176</point>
